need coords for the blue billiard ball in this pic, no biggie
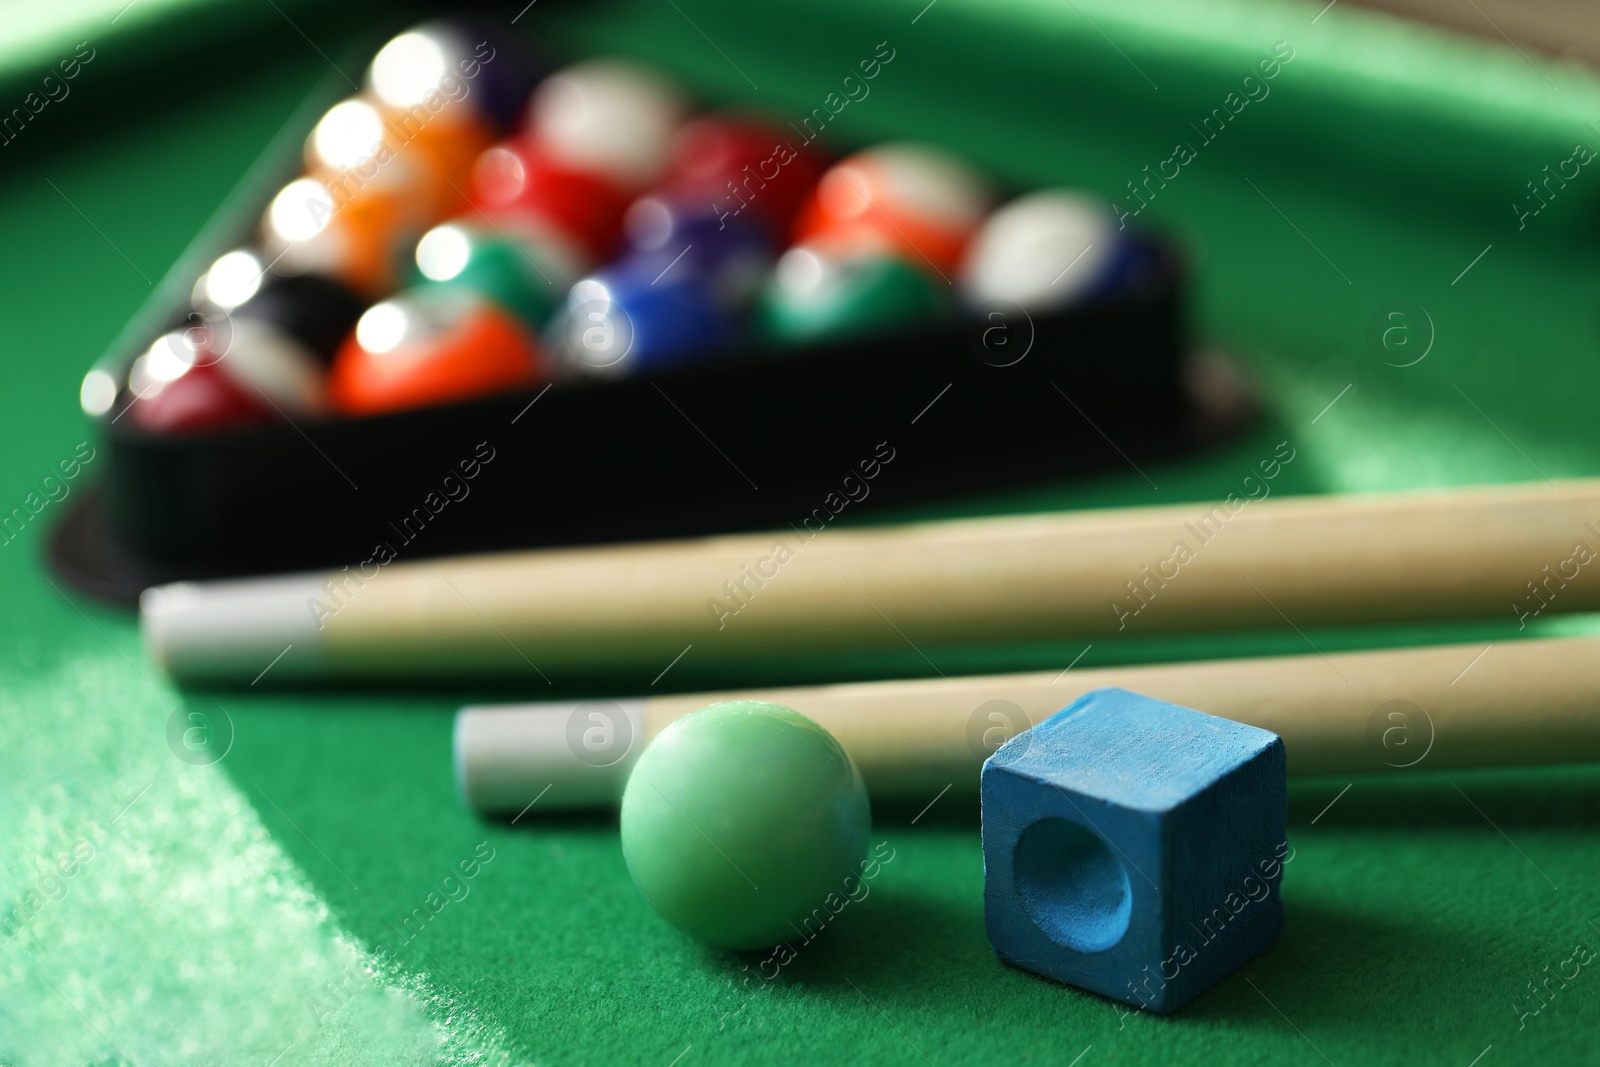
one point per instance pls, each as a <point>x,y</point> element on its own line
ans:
<point>642,314</point>
<point>733,253</point>
<point>1137,264</point>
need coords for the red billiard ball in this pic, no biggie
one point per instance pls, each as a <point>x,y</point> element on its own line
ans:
<point>742,166</point>
<point>432,346</point>
<point>201,400</point>
<point>907,198</point>
<point>223,373</point>
<point>515,178</point>
<point>607,117</point>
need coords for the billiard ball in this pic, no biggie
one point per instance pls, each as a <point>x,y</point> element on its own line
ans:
<point>741,820</point>
<point>432,346</point>
<point>1138,264</point>
<point>607,117</point>
<point>822,291</point>
<point>268,361</point>
<point>641,314</point>
<point>352,133</point>
<point>914,199</point>
<point>357,239</point>
<point>233,278</point>
<point>524,269</point>
<point>744,167</point>
<point>731,252</point>
<point>457,59</point>
<point>423,159</point>
<point>1043,250</point>
<point>316,311</point>
<point>223,372</point>
<point>200,400</point>
<point>516,178</point>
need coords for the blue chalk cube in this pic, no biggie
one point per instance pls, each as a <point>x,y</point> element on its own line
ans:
<point>1134,848</point>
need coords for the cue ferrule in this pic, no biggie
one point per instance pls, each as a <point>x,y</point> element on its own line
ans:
<point>235,630</point>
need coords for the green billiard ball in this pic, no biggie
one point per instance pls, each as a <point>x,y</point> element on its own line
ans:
<point>526,272</point>
<point>820,293</point>
<point>740,820</point>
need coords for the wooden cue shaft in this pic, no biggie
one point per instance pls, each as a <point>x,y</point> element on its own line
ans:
<point>1522,702</point>
<point>1313,560</point>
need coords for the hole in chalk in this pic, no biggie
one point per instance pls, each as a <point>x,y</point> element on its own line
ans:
<point>1072,885</point>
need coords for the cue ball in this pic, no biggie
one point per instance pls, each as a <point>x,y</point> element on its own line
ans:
<point>741,819</point>
<point>1043,250</point>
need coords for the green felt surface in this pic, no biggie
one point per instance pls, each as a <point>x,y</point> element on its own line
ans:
<point>1419,906</point>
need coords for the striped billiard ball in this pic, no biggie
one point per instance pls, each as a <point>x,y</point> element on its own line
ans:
<point>432,346</point>
<point>223,373</point>
<point>822,292</point>
<point>609,118</point>
<point>912,199</point>
<point>516,178</point>
<point>525,269</point>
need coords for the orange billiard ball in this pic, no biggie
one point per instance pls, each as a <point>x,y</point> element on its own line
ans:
<point>432,346</point>
<point>358,237</point>
<point>422,156</point>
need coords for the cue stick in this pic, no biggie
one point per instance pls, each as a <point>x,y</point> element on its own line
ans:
<point>1507,551</point>
<point>1348,713</point>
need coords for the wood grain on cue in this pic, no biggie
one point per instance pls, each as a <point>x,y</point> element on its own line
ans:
<point>1291,561</point>
<point>1519,702</point>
